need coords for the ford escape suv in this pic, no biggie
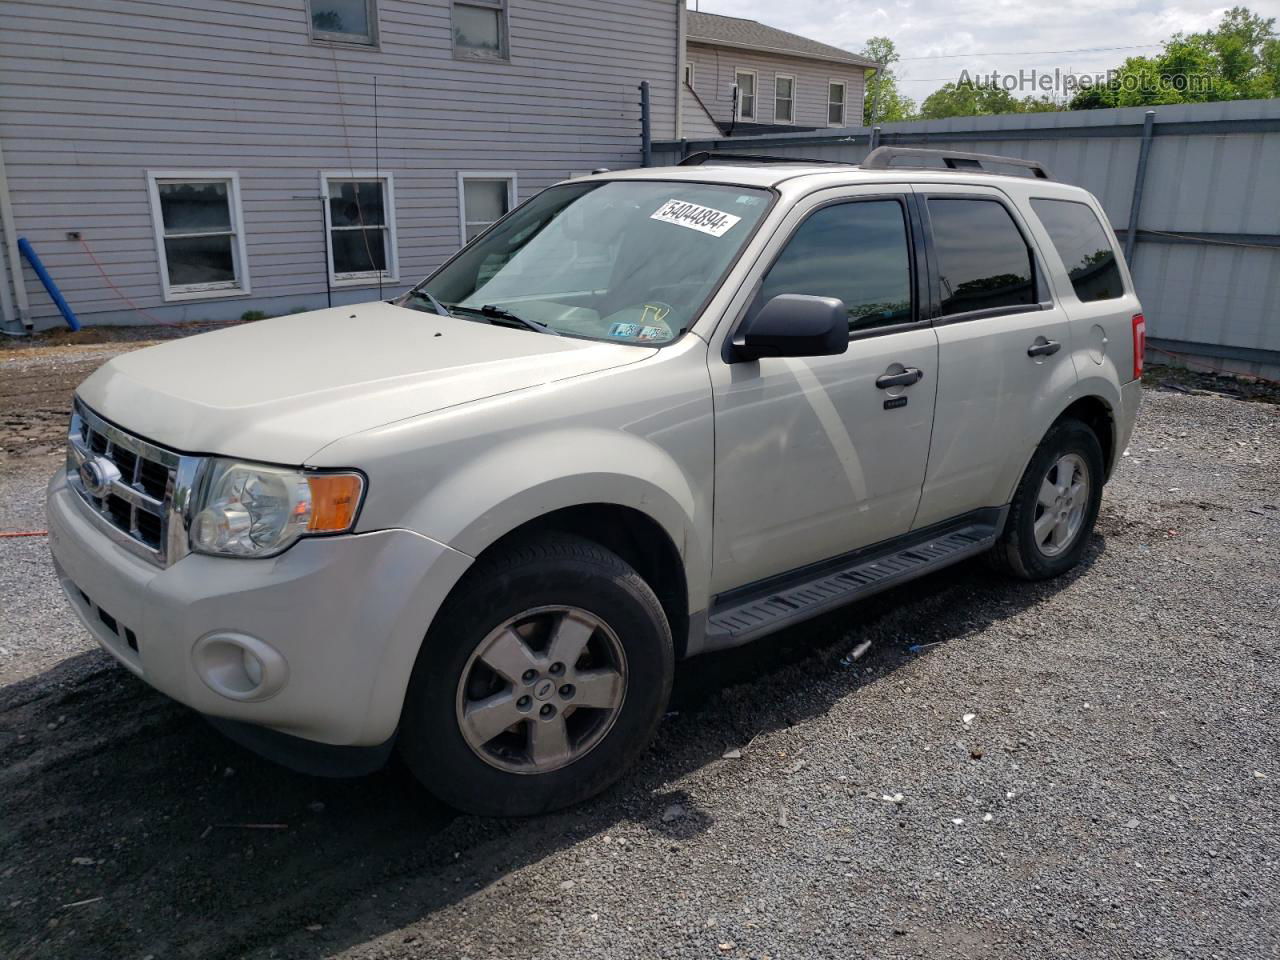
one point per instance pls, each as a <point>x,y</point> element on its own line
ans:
<point>646,415</point>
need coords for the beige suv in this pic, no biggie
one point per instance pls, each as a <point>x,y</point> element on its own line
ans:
<point>646,415</point>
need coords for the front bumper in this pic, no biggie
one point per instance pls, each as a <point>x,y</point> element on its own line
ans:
<point>346,616</point>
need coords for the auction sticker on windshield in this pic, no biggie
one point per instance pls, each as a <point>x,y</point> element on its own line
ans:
<point>695,217</point>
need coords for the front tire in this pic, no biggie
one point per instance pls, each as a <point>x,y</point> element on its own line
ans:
<point>1055,506</point>
<point>541,681</point>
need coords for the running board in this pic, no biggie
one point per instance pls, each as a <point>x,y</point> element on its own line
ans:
<point>747,614</point>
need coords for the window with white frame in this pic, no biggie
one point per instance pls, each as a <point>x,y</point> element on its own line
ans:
<point>360,227</point>
<point>480,29</point>
<point>347,21</point>
<point>746,84</point>
<point>199,233</point>
<point>784,99</point>
<point>688,74</point>
<point>483,198</point>
<point>835,103</point>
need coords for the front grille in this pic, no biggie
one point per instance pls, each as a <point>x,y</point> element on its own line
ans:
<point>146,500</point>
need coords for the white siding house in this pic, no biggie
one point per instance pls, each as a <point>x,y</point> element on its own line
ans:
<point>782,80</point>
<point>168,160</point>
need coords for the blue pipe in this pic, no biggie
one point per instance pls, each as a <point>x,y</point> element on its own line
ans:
<point>24,245</point>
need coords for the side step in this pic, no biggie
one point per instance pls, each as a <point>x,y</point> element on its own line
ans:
<point>744,615</point>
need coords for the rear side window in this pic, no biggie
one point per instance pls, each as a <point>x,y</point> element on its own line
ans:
<point>857,252</point>
<point>1082,243</point>
<point>983,261</point>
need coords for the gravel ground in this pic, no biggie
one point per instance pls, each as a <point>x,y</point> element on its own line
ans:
<point>1087,767</point>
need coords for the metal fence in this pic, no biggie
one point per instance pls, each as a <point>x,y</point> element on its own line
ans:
<point>1193,191</point>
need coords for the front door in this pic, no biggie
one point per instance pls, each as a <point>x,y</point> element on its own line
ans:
<point>819,456</point>
<point>1004,350</point>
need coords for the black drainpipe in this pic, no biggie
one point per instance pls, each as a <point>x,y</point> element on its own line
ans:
<point>646,131</point>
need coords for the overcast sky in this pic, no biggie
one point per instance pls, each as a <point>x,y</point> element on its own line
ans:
<point>1003,35</point>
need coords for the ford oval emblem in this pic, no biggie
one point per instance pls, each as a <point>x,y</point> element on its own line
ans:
<point>97,474</point>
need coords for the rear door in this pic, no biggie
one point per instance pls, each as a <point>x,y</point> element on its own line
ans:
<point>1004,352</point>
<point>817,456</point>
<point>1101,306</point>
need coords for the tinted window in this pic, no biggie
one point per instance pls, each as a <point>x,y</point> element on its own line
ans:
<point>983,261</point>
<point>1083,245</point>
<point>857,252</point>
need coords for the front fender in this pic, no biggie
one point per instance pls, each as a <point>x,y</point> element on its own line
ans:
<point>468,492</point>
<point>522,480</point>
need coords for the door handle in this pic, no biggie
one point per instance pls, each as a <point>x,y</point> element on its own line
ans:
<point>1043,348</point>
<point>904,379</point>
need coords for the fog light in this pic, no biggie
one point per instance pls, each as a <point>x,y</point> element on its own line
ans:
<point>239,666</point>
<point>252,667</point>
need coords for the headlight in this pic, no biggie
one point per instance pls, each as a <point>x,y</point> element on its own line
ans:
<point>251,510</point>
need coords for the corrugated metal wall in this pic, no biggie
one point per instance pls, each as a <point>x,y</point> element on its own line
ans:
<point>1212,289</point>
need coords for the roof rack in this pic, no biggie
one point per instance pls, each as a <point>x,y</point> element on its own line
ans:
<point>883,158</point>
<point>709,156</point>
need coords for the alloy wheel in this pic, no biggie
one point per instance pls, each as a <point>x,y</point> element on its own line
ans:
<point>542,689</point>
<point>1061,504</point>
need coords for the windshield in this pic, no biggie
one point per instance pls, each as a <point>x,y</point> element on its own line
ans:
<point>628,261</point>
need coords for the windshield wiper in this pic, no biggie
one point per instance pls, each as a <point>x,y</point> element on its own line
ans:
<point>440,308</point>
<point>491,312</point>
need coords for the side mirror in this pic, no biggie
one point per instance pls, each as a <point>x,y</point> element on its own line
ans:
<point>794,325</point>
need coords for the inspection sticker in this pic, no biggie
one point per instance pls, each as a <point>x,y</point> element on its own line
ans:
<point>695,217</point>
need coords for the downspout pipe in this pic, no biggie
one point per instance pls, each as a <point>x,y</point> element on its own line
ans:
<point>646,127</point>
<point>11,247</point>
<point>682,57</point>
<point>9,324</point>
<point>54,293</point>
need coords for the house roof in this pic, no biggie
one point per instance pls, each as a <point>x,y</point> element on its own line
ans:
<point>752,35</point>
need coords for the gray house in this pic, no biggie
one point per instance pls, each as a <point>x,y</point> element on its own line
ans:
<point>742,77</point>
<point>172,161</point>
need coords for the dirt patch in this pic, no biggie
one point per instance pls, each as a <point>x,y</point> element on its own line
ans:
<point>39,374</point>
<point>1181,380</point>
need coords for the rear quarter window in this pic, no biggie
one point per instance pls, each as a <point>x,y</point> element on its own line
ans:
<point>983,262</point>
<point>1084,247</point>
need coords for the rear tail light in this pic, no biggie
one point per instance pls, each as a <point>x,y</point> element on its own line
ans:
<point>1139,343</point>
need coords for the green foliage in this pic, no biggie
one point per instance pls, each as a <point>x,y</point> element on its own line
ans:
<point>251,315</point>
<point>882,94</point>
<point>1238,60</point>
<point>964,98</point>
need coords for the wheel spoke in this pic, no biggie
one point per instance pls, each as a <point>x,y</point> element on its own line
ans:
<point>548,739</point>
<point>1061,533</point>
<point>597,688</point>
<point>1044,526</point>
<point>485,719</point>
<point>569,638</point>
<point>1077,489</point>
<point>1048,494</point>
<point>1064,472</point>
<point>509,657</point>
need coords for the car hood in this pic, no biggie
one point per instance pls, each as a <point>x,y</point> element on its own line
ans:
<point>279,390</point>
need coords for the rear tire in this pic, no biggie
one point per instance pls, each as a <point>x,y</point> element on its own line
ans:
<point>1055,506</point>
<point>541,681</point>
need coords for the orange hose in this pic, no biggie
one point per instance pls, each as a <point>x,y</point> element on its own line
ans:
<point>24,533</point>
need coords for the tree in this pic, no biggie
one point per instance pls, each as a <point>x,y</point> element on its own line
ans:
<point>883,102</point>
<point>964,98</point>
<point>1238,60</point>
